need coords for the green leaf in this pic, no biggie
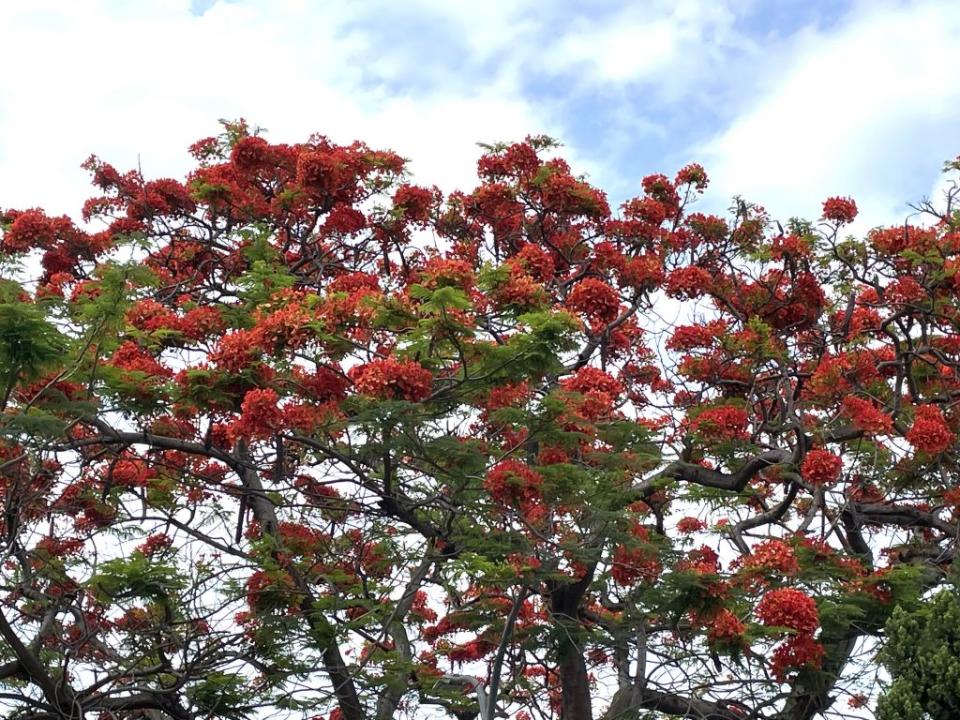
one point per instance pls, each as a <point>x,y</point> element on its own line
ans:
<point>28,343</point>
<point>221,695</point>
<point>137,576</point>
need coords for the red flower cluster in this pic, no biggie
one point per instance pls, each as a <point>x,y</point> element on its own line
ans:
<point>894,240</point>
<point>512,482</point>
<point>132,358</point>
<point>393,379</point>
<point>866,416</point>
<point>324,384</point>
<point>691,337</point>
<point>594,299</point>
<point>421,607</point>
<point>298,539</point>
<point>800,651</point>
<point>726,629</point>
<point>857,701</point>
<point>821,467</point>
<point>160,197</point>
<point>520,291</point>
<point>951,498</point>
<point>721,424</point>
<point>659,187</point>
<point>840,210</point>
<point>415,202</point>
<point>33,229</point>
<point>773,555</point>
<point>195,324</point>
<point>692,174</point>
<point>633,564</point>
<point>237,351</point>
<point>688,283</point>
<point>154,544</point>
<point>447,272</point>
<point>688,525</point>
<point>268,591</point>
<point>536,261</point>
<point>904,291</point>
<point>509,395</point>
<point>600,390</point>
<point>930,432</point>
<point>702,561</point>
<point>287,326</point>
<point>473,650</point>
<point>260,416</point>
<point>789,608</point>
<point>130,473</point>
<point>62,547</point>
<point>592,380</point>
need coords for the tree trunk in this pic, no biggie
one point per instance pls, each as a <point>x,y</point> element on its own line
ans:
<point>574,683</point>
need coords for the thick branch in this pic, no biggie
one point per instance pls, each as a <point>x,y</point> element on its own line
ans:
<point>699,475</point>
<point>265,513</point>
<point>59,696</point>
<point>625,704</point>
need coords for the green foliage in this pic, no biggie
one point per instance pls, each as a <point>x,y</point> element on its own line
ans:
<point>28,342</point>
<point>34,425</point>
<point>105,300</point>
<point>266,274</point>
<point>530,354</point>
<point>221,695</point>
<point>137,576</point>
<point>922,654</point>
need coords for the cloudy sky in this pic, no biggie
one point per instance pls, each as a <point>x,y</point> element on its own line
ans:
<point>783,101</point>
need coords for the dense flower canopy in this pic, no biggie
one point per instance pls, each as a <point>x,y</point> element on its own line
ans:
<point>297,438</point>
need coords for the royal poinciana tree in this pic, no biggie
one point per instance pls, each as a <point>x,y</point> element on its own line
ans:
<point>294,438</point>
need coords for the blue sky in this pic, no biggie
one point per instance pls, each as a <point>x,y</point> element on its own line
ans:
<point>783,101</point>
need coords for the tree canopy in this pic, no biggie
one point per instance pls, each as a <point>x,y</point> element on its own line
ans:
<point>296,438</point>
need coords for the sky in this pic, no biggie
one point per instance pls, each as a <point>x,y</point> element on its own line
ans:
<point>784,102</point>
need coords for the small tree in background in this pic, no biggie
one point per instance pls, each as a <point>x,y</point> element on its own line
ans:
<point>295,438</point>
<point>922,653</point>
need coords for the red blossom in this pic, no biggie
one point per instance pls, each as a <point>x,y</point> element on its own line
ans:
<point>688,283</point>
<point>595,299</point>
<point>154,544</point>
<point>513,483</point>
<point>821,467</point>
<point>797,652</point>
<point>726,629</point>
<point>773,555</point>
<point>722,423</point>
<point>260,417</point>
<point>690,525</point>
<point>536,261</point>
<point>865,416</point>
<point>840,210</point>
<point>393,379</point>
<point>416,203</point>
<point>691,337</point>
<point>692,174</point>
<point>237,351</point>
<point>930,432</point>
<point>857,701</point>
<point>631,565</point>
<point>789,608</point>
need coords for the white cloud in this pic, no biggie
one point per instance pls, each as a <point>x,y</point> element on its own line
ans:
<point>141,85</point>
<point>136,83</point>
<point>862,109</point>
<point>663,44</point>
<point>851,110</point>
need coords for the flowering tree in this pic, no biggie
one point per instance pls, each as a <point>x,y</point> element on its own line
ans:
<point>295,438</point>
